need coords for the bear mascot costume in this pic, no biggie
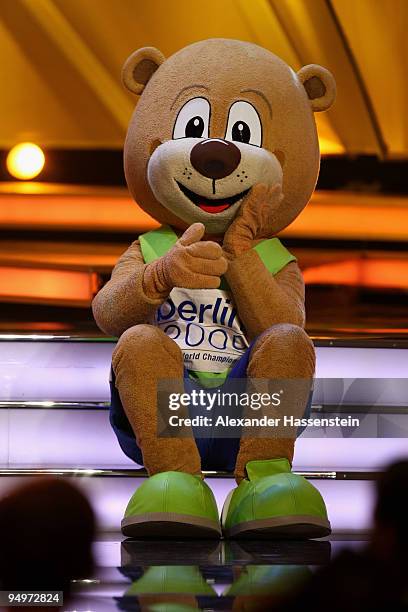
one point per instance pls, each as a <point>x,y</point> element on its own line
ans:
<point>222,151</point>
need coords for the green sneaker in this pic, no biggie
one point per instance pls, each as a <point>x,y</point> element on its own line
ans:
<point>275,503</point>
<point>172,504</point>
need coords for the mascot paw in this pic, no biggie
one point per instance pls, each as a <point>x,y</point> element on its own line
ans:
<point>191,263</point>
<point>172,504</point>
<point>255,219</point>
<point>274,503</point>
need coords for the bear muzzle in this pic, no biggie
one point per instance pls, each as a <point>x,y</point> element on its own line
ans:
<point>215,158</point>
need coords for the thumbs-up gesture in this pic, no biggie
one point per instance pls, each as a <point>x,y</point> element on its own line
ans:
<point>191,263</point>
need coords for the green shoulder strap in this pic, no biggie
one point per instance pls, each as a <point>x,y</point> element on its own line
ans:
<point>274,255</point>
<point>157,242</point>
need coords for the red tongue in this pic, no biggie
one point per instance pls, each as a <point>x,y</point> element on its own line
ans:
<point>213,209</point>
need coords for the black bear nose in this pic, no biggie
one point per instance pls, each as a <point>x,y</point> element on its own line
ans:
<point>215,158</point>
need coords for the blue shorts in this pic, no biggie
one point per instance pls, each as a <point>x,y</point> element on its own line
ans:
<point>218,454</point>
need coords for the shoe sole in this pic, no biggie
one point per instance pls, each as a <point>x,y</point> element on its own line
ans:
<point>301,527</point>
<point>168,525</point>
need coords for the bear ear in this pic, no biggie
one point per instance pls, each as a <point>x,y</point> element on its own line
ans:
<point>320,86</point>
<point>140,67</point>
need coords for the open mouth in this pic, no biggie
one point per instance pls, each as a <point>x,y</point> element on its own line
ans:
<point>211,206</point>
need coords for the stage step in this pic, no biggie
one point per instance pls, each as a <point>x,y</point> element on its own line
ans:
<point>114,551</point>
<point>73,435</point>
<point>348,494</point>
<point>72,369</point>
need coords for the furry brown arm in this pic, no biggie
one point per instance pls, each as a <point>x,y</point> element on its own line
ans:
<point>123,302</point>
<point>136,289</point>
<point>263,300</point>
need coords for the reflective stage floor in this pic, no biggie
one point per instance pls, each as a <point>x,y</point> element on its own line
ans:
<point>171,576</point>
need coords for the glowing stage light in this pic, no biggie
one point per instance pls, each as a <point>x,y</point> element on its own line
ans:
<point>25,161</point>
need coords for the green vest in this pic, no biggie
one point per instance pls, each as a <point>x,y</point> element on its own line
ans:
<point>274,256</point>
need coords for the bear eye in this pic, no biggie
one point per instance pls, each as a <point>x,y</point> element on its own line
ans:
<point>244,124</point>
<point>241,132</point>
<point>193,119</point>
<point>195,127</point>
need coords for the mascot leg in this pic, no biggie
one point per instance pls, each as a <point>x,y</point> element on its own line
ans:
<point>174,501</point>
<point>270,500</point>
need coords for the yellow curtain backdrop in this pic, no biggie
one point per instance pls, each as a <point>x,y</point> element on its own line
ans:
<point>61,62</point>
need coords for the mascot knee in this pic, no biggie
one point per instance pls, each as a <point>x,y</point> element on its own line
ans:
<point>139,340</point>
<point>134,340</point>
<point>283,351</point>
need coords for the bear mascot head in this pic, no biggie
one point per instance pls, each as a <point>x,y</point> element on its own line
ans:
<point>215,119</point>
